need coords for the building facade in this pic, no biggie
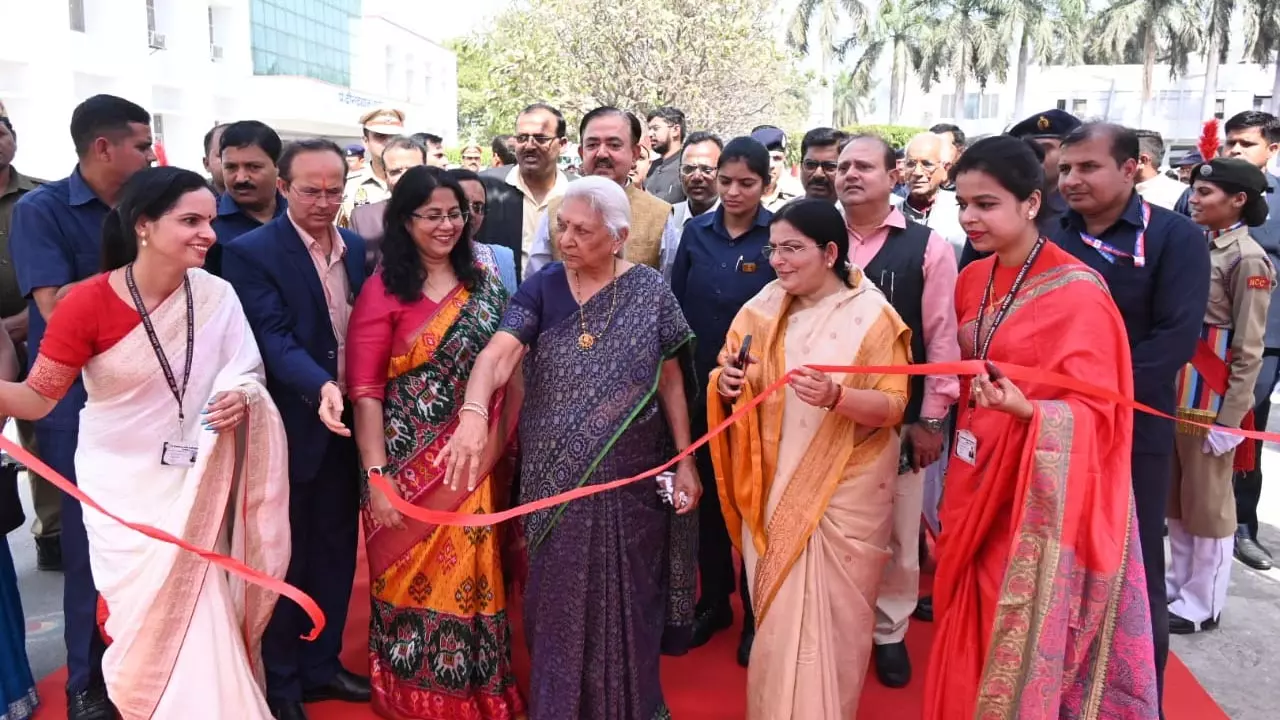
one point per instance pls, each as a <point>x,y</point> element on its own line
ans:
<point>305,67</point>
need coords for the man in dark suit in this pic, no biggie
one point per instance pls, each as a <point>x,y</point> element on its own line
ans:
<point>297,277</point>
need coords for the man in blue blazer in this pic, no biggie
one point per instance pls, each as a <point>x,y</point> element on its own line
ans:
<point>297,277</point>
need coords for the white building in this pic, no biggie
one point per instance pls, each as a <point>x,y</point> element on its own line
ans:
<point>305,67</point>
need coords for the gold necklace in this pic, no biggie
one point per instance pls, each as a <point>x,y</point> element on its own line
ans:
<point>586,340</point>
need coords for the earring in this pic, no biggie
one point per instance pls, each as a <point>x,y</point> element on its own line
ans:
<point>143,241</point>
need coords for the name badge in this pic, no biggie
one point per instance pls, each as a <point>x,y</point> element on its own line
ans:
<point>177,455</point>
<point>748,267</point>
<point>967,447</point>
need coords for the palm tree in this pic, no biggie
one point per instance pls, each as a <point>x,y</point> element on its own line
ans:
<point>969,39</point>
<point>1262,40</point>
<point>897,28</point>
<point>1217,37</point>
<point>852,97</point>
<point>1049,33</point>
<point>826,13</point>
<point>1167,29</point>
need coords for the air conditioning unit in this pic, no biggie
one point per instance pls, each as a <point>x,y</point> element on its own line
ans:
<point>215,53</point>
<point>157,41</point>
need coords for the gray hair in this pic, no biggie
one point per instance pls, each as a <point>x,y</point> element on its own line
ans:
<point>605,197</point>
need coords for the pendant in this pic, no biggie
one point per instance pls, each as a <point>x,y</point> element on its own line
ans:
<point>586,340</point>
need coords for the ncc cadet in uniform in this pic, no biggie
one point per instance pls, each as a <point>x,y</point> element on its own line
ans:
<point>1217,388</point>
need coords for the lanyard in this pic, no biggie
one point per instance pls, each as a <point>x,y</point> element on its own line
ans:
<point>179,393</point>
<point>982,348</point>
<point>1111,252</point>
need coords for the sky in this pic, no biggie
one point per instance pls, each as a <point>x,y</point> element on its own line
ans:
<point>461,17</point>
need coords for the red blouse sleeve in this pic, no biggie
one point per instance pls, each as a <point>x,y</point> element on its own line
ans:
<point>369,338</point>
<point>69,339</point>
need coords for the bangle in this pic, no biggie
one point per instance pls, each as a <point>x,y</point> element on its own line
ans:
<point>839,399</point>
<point>379,470</point>
<point>476,408</point>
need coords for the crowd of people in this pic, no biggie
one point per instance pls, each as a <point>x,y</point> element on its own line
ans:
<point>270,362</point>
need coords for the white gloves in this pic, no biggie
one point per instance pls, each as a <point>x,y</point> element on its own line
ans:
<point>1219,443</point>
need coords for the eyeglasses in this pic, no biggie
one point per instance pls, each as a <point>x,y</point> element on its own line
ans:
<point>457,217</point>
<point>828,166</point>
<point>704,169</point>
<point>928,167</point>
<point>540,140</point>
<point>785,251</point>
<point>314,195</point>
<point>478,208</point>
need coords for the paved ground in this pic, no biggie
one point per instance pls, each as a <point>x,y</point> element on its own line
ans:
<point>1239,663</point>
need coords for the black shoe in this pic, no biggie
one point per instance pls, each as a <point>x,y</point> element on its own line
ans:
<point>745,642</point>
<point>893,665</point>
<point>90,704</point>
<point>924,609</point>
<point>49,553</point>
<point>345,686</point>
<point>1181,626</point>
<point>708,621</point>
<point>287,711</point>
<point>1249,552</point>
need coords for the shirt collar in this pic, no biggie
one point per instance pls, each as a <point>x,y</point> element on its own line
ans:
<point>228,206</point>
<point>1132,215</point>
<point>339,245</point>
<point>763,218</point>
<point>18,183</point>
<point>516,180</point>
<point>79,191</point>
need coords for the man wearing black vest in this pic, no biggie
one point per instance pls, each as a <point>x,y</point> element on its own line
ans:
<point>915,268</point>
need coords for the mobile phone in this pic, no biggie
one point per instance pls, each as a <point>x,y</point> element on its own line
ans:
<point>906,456</point>
<point>744,353</point>
<point>993,371</point>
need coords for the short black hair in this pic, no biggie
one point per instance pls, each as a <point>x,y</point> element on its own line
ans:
<point>702,136</point>
<point>246,133</point>
<point>208,138</point>
<point>890,154</point>
<point>297,147</point>
<point>822,137</point>
<point>465,175</point>
<point>957,135</point>
<point>561,127</point>
<point>500,149</point>
<point>1124,141</point>
<point>103,115</point>
<point>1012,162</point>
<point>672,115</point>
<point>1151,143</point>
<point>428,139</point>
<point>405,142</point>
<point>1268,124</point>
<point>606,111</point>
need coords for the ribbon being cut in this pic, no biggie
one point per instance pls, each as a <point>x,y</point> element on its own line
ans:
<point>443,517</point>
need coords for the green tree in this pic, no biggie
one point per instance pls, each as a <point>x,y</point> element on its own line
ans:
<point>820,20</point>
<point>1262,40</point>
<point>852,97</point>
<point>897,29</point>
<point>966,39</point>
<point>1153,30</point>
<point>714,59</point>
<point>1049,33</point>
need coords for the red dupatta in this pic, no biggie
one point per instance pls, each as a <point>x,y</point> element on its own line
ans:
<point>1040,593</point>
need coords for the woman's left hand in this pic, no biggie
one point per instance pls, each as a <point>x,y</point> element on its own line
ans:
<point>1001,394</point>
<point>814,388</point>
<point>225,411</point>
<point>686,490</point>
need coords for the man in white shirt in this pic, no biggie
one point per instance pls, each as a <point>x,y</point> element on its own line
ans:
<point>1154,186</point>
<point>698,162</point>
<point>925,165</point>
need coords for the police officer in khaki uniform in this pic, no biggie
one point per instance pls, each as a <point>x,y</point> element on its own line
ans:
<point>1216,388</point>
<point>369,184</point>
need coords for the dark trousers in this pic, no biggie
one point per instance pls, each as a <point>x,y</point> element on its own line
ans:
<point>715,550</point>
<point>1248,485</point>
<point>1151,476</point>
<point>79,596</point>
<point>324,517</point>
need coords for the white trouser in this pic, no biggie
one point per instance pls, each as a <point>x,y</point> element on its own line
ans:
<point>1199,574</point>
<point>900,582</point>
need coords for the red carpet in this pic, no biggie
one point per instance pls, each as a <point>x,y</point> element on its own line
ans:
<point>706,684</point>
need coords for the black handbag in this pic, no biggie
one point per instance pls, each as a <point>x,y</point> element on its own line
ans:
<point>11,516</point>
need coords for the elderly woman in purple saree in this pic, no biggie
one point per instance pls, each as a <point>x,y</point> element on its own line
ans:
<point>611,576</point>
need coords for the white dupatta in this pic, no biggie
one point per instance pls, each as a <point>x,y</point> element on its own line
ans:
<point>186,636</point>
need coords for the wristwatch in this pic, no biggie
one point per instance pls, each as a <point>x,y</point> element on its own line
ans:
<point>933,425</point>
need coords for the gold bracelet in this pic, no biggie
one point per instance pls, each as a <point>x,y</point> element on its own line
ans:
<point>476,408</point>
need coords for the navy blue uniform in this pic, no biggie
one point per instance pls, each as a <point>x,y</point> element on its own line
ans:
<point>231,223</point>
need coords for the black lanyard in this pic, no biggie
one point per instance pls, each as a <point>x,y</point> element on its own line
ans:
<point>179,393</point>
<point>985,346</point>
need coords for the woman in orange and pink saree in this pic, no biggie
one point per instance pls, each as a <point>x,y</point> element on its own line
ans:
<point>1040,594</point>
<point>439,635</point>
<point>806,478</point>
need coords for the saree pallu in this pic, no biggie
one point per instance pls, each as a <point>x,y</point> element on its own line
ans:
<point>1040,594</point>
<point>808,498</point>
<point>439,635</point>
<point>611,576</point>
<point>186,634</point>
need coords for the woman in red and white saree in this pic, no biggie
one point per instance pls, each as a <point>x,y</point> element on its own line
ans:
<point>1040,593</point>
<point>185,635</point>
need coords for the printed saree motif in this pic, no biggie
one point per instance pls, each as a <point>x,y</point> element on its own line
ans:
<point>1040,591</point>
<point>439,636</point>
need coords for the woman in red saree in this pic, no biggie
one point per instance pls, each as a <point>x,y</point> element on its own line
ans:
<point>439,636</point>
<point>1040,594</point>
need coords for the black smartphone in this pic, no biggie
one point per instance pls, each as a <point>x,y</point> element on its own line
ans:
<point>744,353</point>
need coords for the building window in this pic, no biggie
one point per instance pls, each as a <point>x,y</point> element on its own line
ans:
<point>990,106</point>
<point>77,15</point>
<point>303,37</point>
<point>1219,108</point>
<point>157,129</point>
<point>1260,102</point>
<point>1079,108</point>
<point>1062,105</point>
<point>391,69</point>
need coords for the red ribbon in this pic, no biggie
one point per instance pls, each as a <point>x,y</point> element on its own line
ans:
<point>444,517</point>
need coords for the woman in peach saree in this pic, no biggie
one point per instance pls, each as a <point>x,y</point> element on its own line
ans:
<point>806,479</point>
<point>1039,596</point>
